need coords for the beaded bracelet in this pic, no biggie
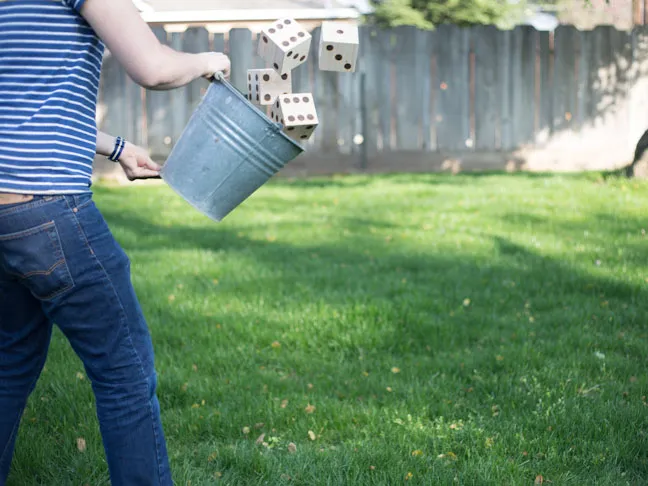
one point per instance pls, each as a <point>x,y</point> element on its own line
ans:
<point>119,148</point>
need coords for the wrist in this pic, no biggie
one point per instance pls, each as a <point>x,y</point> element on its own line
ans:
<point>204,62</point>
<point>118,149</point>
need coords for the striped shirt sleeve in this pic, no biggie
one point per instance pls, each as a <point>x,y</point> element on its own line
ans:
<point>75,4</point>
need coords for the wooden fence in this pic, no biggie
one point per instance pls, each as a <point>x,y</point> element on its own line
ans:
<point>454,98</point>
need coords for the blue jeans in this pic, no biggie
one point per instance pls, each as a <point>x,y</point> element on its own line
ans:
<point>59,264</point>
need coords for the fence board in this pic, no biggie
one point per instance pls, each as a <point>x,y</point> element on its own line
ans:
<point>301,77</point>
<point>384,44</point>
<point>545,116</point>
<point>111,96</point>
<point>583,60</point>
<point>523,54</point>
<point>257,61</point>
<point>158,108</point>
<point>408,90</point>
<point>504,70</point>
<point>179,113</point>
<point>240,49</point>
<point>621,45</point>
<point>486,87</point>
<point>425,48</point>
<point>195,40</point>
<point>453,120</point>
<point>326,91</point>
<point>346,109</point>
<point>371,64</point>
<point>639,83</point>
<point>564,86</point>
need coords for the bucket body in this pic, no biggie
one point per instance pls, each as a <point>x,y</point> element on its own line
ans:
<point>226,152</point>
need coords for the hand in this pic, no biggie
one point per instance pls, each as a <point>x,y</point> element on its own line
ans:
<point>216,62</point>
<point>137,163</point>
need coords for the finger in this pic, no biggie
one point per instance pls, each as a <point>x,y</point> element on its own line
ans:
<point>145,173</point>
<point>150,164</point>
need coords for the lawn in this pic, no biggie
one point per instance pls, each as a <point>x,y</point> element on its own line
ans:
<point>399,329</point>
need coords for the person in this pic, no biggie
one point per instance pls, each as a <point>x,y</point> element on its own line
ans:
<point>59,262</point>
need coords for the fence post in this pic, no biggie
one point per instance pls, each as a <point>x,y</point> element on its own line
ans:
<point>363,118</point>
<point>240,52</point>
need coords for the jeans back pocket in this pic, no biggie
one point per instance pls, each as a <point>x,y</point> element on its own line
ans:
<point>35,257</point>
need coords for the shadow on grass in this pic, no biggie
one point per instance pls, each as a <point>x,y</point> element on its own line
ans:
<point>365,269</point>
<point>435,178</point>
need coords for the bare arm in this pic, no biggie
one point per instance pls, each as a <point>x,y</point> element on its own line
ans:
<point>134,160</point>
<point>148,62</point>
<point>105,143</point>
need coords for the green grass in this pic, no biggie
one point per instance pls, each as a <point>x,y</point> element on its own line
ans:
<point>471,329</point>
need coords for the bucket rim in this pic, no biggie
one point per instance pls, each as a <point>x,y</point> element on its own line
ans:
<point>220,79</point>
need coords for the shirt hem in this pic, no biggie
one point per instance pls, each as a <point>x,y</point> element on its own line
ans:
<point>41,192</point>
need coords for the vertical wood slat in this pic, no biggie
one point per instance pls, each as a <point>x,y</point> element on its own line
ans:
<point>486,87</point>
<point>240,52</point>
<point>179,109</point>
<point>257,61</point>
<point>301,77</point>
<point>157,113</point>
<point>369,64</point>
<point>621,46</point>
<point>424,47</point>
<point>326,94</point>
<point>599,62</point>
<point>564,77</point>
<point>638,97</point>
<point>583,80</point>
<point>348,109</point>
<point>545,118</point>
<point>453,122</point>
<point>385,43</point>
<point>522,59</point>
<point>504,69</point>
<point>110,96</point>
<point>195,40</point>
<point>408,90</point>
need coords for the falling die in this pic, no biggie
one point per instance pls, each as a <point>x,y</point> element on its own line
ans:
<point>338,48</point>
<point>297,114</point>
<point>265,85</point>
<point>284,45</point>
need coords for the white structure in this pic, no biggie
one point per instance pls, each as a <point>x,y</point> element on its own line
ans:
<point>222,16</point>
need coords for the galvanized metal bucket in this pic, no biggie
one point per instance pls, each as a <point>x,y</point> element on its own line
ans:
<point>227,151</point>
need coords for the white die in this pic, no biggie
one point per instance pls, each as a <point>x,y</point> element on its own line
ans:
<point>297,113</point>
<point>264,85</point>
<point>284,45</point>
<point>338,47</point>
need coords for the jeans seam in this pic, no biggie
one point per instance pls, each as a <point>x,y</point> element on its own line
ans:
<point>123,319</point>
<point>14,431</point>
<point>22,410</point>
<point>155,434</point>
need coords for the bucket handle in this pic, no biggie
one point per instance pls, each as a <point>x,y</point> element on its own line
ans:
<point>217,76</point>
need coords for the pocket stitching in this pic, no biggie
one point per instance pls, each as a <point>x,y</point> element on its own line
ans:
<point>43,273</point>
<point>28,232</point>
<point>85,204</point>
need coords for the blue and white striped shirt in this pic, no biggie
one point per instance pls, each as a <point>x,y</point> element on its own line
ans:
<point>50,64</point>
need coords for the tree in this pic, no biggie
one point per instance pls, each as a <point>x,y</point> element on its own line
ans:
<point>427,14</point>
